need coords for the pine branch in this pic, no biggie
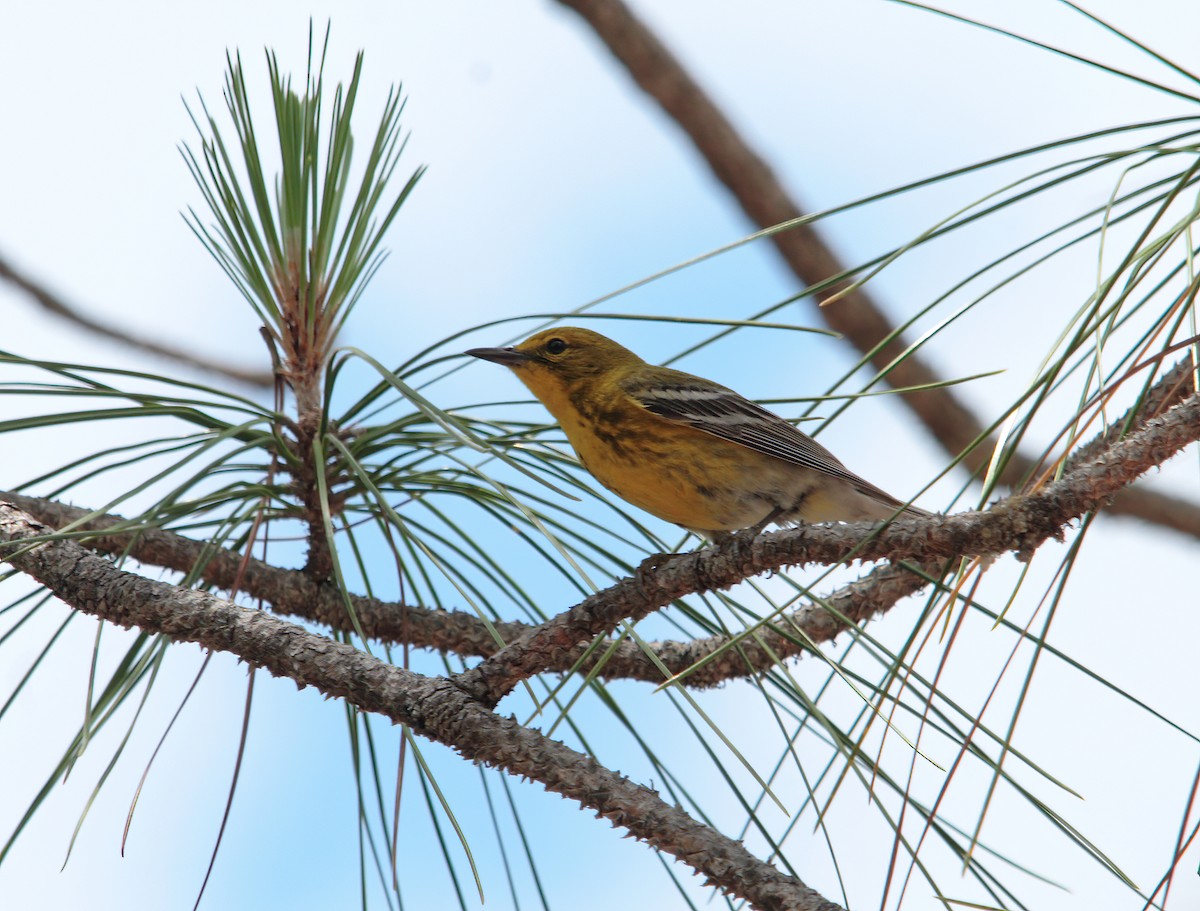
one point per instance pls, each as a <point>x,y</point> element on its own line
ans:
<point>289,592</point>
<point>293,593</point>
<point>454,711</point>
<point>433,707</point>
<point>1018,524</point>
<point>443,709</point>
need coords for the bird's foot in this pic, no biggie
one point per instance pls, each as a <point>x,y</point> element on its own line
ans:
<point>644,574</point>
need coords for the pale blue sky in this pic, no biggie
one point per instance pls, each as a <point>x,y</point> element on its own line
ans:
<point>552,181</point>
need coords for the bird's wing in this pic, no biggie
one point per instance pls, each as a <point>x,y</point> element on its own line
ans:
<point>713,408</point>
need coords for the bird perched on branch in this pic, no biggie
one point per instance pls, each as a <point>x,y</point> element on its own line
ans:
<point>684,448</point>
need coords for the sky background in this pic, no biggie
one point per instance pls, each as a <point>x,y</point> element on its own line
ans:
<point>552,181</point>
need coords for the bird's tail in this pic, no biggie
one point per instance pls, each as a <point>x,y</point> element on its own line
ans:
<point>877,506</point>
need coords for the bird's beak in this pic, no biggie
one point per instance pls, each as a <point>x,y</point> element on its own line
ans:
<point>509,357</point>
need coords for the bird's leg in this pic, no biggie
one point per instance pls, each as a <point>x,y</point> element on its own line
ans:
<point>647,568</point>
<point>754,531</point>
<point>718,538</point>
<point>743,539</point>
<point>654,562</point>
<point>650,564</point>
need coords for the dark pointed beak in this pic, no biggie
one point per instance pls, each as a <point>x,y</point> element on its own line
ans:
<point>509,357</point>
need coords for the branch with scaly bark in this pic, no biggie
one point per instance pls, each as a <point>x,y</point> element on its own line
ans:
<point>1019,524</point>
<point>289,592</point>
<point>455,711</point>
<point>767,203</point>
<point>294,593</point>
<point>432,707</point>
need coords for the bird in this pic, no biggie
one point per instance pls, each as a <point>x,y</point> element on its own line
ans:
<point>683,448</point>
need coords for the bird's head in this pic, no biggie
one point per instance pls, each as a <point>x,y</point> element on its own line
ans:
<point>556,359</point>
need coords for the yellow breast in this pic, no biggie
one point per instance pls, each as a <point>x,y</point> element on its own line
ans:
<point>672,471</point>
<point>675,472</point>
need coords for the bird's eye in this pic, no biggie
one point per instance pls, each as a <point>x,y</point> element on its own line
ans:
<point>556,346</point>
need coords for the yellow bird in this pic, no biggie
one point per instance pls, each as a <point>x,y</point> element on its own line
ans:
<point>684,448</point>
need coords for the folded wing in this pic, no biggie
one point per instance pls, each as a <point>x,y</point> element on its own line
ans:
<point>724,413</point>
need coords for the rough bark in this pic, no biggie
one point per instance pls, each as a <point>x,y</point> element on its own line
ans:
<point>294,593</point>
<point>433,707</point>
<point>455,711</point>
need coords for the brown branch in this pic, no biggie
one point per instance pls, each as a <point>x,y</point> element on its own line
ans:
<point>855,315</point>
<point>1171,388</point>
<point>1020,524</point>
<point>54,304</point>
<point>439,709</point>
<point>289,592</point>
<point>432,707</point>
<point>787,637</point>
<point>294,593</point>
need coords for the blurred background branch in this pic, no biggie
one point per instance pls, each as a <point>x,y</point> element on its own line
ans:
<point>56,305</point>
<point>854,313</point>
